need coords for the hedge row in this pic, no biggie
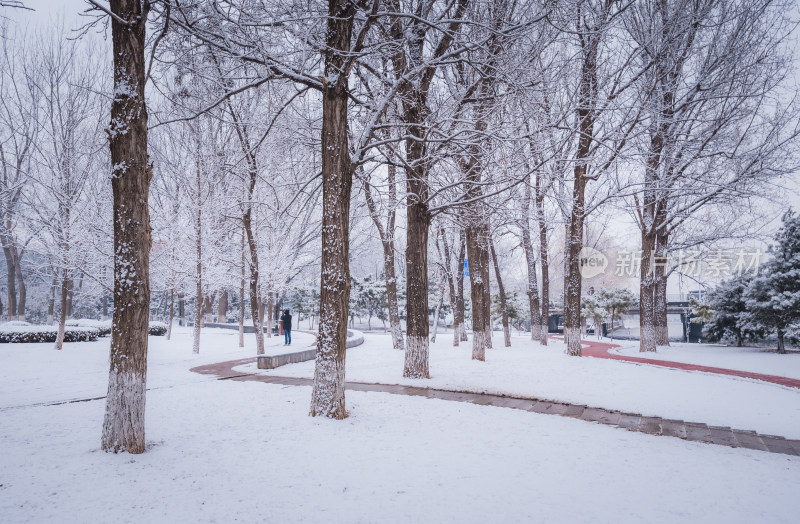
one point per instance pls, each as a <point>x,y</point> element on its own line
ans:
<point>20,334</point>
<point>82,330</point>
<point>103,325</point>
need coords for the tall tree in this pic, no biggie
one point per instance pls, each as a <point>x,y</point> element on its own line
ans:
<point>123,425</point>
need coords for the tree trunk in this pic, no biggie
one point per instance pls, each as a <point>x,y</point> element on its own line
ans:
<point>781,344</point>
<point>10,280</point>
<point>487,299</point>
<point>476,246</point>
<point>530,258</point>
<point>71,295</point>
<point>391,295</point>
<point>62,315</point>
<point>327,396</point>
<point>417,329</point>
<point>387,242</point>
<point>23,293</point>
<point>647,340</point>
<point>661,330</point>
<point>460,319</point>
<point>209,309</point>
<point>199,305</point>
<point>171,312</point>
<point>222,307</point>
<point>270,312</point>
<point>544,318</point>
<point>241,297</point>
<point>448,263</point>
<point>123,426</point>
<point>438,310</point>
<point>587,102</point>
<point>51,306</point>
<point>501,291</point>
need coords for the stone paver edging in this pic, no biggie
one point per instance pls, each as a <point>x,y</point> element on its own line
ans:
<point>692,431</point>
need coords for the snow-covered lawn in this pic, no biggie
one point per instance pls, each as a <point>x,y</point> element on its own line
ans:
<point>529,369</point>
<point>225,451</point>
<point>36,373</point>
<point>757,360</point>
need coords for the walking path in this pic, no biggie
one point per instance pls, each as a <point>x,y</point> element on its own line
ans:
<point>692,431</point>
<point>600,350</point>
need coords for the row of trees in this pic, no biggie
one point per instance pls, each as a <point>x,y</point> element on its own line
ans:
<point>475,127</point>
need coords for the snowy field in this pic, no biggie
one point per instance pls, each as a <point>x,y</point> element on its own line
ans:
<point>757,360</point>
<point>528,369</point>
<point>225,451</point>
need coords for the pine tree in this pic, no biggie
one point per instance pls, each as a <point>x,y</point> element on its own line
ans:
<point>726,311</point>
<point>773,297</point>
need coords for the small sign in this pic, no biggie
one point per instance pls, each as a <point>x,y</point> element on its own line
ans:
<point>466,267</point>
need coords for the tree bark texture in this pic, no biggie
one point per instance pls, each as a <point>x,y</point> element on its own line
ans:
<point>327,396</point>
<point>123,425</point>
<point>586,115</point>
<point>478,254</point>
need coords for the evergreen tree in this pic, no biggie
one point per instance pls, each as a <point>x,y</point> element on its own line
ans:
<point>616,303</point>
<point>726,309</point>
<point>773,297</point>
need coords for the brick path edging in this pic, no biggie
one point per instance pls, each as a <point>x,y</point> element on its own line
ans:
<point>691,431</point>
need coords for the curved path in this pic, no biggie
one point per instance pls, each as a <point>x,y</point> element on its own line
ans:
<point>600,350</point>
<point>692,431</point>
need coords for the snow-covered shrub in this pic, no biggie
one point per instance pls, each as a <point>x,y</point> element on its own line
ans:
<point>104,326</point>
<point>11,334</point>
<point>158,329</point>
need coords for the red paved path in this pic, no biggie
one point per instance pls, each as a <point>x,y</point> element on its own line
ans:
<point>600,350</point>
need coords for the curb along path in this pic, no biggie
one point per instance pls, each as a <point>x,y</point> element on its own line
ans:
<point>600,350</point>
<point>692,431</point>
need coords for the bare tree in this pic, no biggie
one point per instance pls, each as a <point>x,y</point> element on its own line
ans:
<point>123,426</point>
<point>712,72</point>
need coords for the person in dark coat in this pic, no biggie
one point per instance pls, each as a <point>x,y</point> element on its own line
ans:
<point>286,318</point>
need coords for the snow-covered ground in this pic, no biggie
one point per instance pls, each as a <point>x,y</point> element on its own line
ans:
<point>757,360</point>
<point>225,451</point>
<point>529,369</point>
<point>36,373</point>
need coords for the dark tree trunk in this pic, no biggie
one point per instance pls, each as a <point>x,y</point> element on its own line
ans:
<point>476,249</point>
<point>647,285</point>
<point>587,102</point>
<point>417,329</point>
<point>661,331</point>
<point>241,296</point>
<point>501,291</point>
<point>123,426</point>
<point>327,396</point>
<point>544,263</point>
<point>171,312</point>
<point>199,300</point>
<point>486,265</point>
<point>10,280</point>
<point>23,293</point>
